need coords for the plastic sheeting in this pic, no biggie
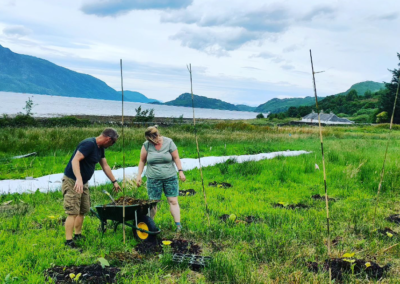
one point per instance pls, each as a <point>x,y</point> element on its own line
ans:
<point>53,182</point>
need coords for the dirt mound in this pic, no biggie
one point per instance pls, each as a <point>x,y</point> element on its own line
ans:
<point>185,247</point>
<point>187,192</point>
<point>90,274</point>
<point>340,267</point>
<point>388,232</point>
<point>322,197</point>
<point>178,246</point>
<point>220,184</point>
<point>394,218</point>
<point>291,206</point>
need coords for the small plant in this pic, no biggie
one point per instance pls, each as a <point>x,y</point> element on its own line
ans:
<point>144,115</point>
<point>103,262</point>
<point>28,107</point>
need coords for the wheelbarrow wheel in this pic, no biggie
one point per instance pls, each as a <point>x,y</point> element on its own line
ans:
<point>145,223</point>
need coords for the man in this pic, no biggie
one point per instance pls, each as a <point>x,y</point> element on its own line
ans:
<point>78,172</point>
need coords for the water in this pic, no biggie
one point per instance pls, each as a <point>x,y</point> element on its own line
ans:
<point>52,106</point>
<point>53,182</point>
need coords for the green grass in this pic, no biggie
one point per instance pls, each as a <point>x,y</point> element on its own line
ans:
<point>273,250</point>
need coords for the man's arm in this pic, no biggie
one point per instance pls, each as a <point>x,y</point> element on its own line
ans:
<point>107,170</point>
<point>77,171</point>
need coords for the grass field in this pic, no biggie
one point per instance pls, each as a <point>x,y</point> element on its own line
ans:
<point>275,249</point>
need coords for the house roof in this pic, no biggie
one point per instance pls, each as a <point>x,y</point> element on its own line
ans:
<point>331,117</point>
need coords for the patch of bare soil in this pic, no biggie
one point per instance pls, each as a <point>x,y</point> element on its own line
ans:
<point>220,184</point>
<point>90,274</point>
<point>178,246</point>
<point>340,267</point>
<point>187,192</point>
<point>388,232</point>
<point>291,206</point>
<point>394,218</point>
<point>322,197</point>
<point>125,257</point>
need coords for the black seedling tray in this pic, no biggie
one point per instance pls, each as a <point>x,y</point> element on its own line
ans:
<point>196,262</point>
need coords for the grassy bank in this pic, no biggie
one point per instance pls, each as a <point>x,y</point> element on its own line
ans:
<point>274,249</point>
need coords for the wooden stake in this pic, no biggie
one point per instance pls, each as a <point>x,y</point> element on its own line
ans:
<point>387,147</point>
<point>323,165</point>
<point>189,67</point>
<point>123,155</point>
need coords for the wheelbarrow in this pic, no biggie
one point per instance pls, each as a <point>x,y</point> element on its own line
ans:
<point>143,227</point>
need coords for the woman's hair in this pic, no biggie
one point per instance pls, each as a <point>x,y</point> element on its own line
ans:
<point>152,133</point>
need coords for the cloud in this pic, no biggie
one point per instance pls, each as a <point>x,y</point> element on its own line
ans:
<point>215,42</point>
<point>114,8</point>
<point>265,55</point>
<point>287,67</point>
<point>327,12</point>
<point>16,31</point>
<point>272,19</point>
<point>252,68</point>
<point>385,17</point>
<point>292,48</point>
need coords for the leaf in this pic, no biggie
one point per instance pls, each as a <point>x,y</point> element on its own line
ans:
<point>167,243</point>
<point>281,203</point>
<point>77,277</point>
<point>349,260</point>
<point>389,234</point>
<point>71,275</point>
<point>368,264</point>
<point>103,262</point>
<point>347,255</point>
<point>187,193</point>
<point>7,202</point>
<point>51,217</point>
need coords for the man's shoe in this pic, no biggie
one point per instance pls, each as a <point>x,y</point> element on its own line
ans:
<point>79,237</point>
<point>71,244</point>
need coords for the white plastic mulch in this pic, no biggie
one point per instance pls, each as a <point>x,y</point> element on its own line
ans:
<point>53,182</point>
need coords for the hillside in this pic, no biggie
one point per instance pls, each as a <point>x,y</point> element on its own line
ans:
<point>131,96</point>
<point>185,100</point>
<point>281,105</point>
<point>27,74</point>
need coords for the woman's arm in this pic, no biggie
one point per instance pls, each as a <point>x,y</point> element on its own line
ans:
<point>177,160</point>
<point>142,162</point>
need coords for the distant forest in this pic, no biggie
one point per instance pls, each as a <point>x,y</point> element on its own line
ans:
<point>367,107</point>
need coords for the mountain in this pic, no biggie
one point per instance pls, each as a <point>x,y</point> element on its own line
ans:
<point>185,100</point>
<point>27,74</point>
<point>281,105</point>
<point>362,87</point>
<point>137,97</point>
<point>246,108</point>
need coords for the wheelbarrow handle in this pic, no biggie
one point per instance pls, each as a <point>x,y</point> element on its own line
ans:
<point>95,214</point>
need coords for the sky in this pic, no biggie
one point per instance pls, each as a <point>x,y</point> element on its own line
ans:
<point>242,52</point>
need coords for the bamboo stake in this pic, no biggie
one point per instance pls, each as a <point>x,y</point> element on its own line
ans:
<point>387,146</point>
<point>123,155</point>
<point>189,67</point>
<point>323,165</point>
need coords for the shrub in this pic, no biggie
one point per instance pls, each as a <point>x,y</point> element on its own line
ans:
<point>382,117</point>
<point>143,115</point>
<point>259,116</point>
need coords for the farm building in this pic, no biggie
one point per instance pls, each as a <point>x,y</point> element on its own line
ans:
<point>326,118</point>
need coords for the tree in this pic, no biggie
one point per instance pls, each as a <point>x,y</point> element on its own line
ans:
<point>352,96</point>
<point>368,94</point>
<point>387,98</point>
<point>259,116</point>
<point>143,115</point>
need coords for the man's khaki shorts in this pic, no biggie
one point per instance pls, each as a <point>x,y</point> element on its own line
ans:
<point>75,203</point>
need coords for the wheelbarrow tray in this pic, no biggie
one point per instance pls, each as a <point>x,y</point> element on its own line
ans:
<point>115,212</point>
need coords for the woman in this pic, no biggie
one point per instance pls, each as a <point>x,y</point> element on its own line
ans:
<point>161,153</point>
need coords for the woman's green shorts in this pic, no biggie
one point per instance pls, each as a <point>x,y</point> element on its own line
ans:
<point>155,187</point>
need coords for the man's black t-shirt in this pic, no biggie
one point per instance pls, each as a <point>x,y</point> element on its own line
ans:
<point>93,154</point>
